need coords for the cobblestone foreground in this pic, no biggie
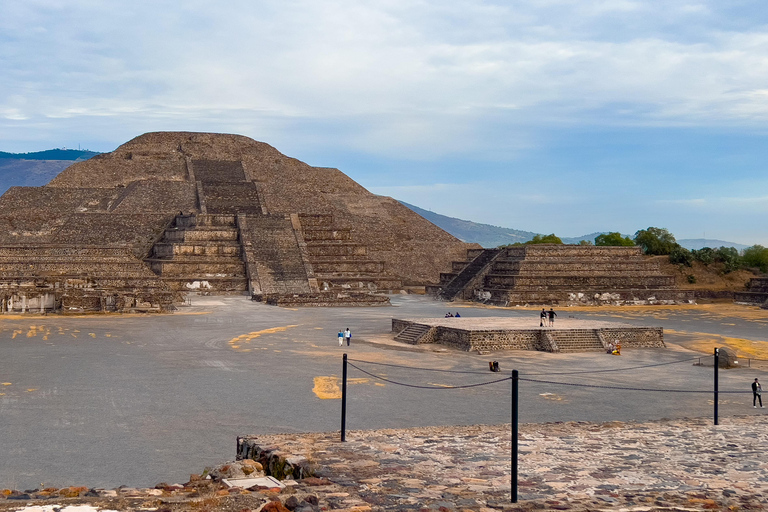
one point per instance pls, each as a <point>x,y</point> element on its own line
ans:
<point>685,464</point>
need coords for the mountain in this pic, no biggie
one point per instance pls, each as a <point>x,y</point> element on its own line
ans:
<point>38,168</point>
<point>698,243</point>
<point>474,232</point>
<point>494,236</point>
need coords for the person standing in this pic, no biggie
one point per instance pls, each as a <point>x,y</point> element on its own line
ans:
<point>542,318</point>
<point>757,391</point>
<point>341,338</point>
<point>348,336</point>
<point>552,316</point>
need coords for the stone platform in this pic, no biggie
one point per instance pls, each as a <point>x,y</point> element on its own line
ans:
<point>499,333</point>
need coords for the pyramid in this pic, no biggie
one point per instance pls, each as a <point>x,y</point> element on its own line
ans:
<point>170,213</point>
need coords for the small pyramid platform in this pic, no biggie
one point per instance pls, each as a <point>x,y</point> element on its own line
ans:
<point>170,213</point>
<point>559,274</point>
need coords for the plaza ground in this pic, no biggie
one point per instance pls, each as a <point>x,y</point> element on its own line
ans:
<point>117,399</point>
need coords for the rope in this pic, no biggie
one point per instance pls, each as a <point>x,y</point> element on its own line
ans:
<point>629,389</point>
<point>618,369</point>
<point>427,387</point>
<point>417,367</point>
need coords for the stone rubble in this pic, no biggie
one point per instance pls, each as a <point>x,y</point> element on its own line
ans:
<point>687,464</point>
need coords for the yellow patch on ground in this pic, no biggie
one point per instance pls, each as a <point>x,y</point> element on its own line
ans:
<point>318,328</point>
<point>73,335</point>
<point>439,385</point>
<point>16,333</point>
<point>2,394</point>
<point>108,335</point>
<point>552,396</point>
<point>330,387</point>
<point>6,383</point>
<point>29,390</point>
<point>327,388</point>
<point>379,384</point>
<point>92,334</point>
<point>239,341</point>
<point>706,343</point>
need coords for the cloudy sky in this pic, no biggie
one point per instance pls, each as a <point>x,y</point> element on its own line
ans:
<point>550,116</point>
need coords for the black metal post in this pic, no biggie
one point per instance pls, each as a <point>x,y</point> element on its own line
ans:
<point>344,401</point>
<point>515,418</point>
<point>717,365</point>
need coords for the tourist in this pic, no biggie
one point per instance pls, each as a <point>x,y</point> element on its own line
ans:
<point>611,348</point>
<point>542,318</point>
<point>757,391</point>
<point>457,315</point>
<point>552,316</point>
<point>348,336</point>
<point>341,338</point>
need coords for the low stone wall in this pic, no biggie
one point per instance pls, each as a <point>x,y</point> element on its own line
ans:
<point>278,464</point>
<point>635,337</point>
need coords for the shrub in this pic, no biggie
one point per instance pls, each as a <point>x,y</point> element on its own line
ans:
<point>681,256</point>
<point>706,255</point>
<point>756,256</point>
<point>691,279</point>
<point>545,239</point>
<point>730,258</point>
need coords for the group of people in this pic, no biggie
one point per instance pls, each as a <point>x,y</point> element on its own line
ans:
<point>345,335</point>
<point>451,315</point>
<point>614,348</point>
<point>547,318</point>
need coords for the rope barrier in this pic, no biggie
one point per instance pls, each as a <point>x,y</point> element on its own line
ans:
<point>418,368</point>
<point>618,369</point>
<point>428,387</point>
<point>573,384</point>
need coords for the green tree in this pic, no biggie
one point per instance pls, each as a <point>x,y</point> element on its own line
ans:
<point>655,240</point>
<point>545,239</point>
<point>756,256</point>
<point>613,238</point>
<point>586,242</point>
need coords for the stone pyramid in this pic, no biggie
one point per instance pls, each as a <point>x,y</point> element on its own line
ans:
<point>174,212</point>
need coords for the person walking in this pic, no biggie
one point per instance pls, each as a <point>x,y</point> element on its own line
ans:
<point>542,318</point>
<point>757,391</point>
<point>341,338</point>
<point>552,316</point>
<point>348,336</point>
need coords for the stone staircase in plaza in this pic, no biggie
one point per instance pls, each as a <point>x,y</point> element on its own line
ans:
<point>556,274</point>
<point>338,261</point>
<point>575,340</point>
<point>757,294</point>
<point>412,334</point>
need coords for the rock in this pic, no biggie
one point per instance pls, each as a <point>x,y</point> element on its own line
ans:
<point>727,358</point>
<point>292,502</point>
<point>274,506</point>
<point>314,481</point>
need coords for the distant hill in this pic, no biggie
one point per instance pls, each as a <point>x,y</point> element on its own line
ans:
<point>50,154</point>
<point>699,243</point>
<point>474,232</point>
<point>494,236</point>
<point>38,168</point>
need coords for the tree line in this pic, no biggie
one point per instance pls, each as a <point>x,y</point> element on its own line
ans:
<point>660,242</point>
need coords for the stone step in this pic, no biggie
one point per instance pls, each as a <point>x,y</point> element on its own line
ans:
<point>412,334</point>
<point>575,281</point>
<point>336,249</point>
<point>319,235</point>
<point>205,234</point>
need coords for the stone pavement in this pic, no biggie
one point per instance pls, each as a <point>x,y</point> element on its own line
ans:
<point>686,464</point>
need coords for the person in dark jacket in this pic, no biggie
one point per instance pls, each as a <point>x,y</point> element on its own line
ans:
<point>757,391</point>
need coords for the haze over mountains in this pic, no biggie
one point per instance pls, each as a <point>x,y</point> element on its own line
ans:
<point>38,168</point>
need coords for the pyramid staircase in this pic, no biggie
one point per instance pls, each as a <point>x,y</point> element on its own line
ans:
<point>200,253</point>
